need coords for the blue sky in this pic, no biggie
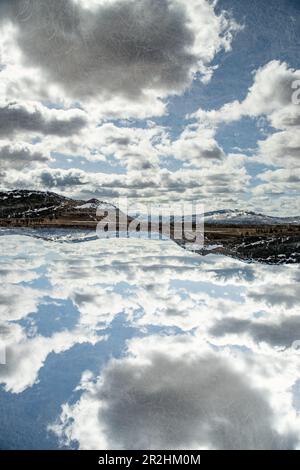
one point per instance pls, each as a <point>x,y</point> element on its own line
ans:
<point>157,101</point>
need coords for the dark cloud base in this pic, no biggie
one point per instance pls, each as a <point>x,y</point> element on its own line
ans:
<point>168,404</point>
<point>125,47</point>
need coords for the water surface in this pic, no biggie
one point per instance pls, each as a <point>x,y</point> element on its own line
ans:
<point>138,344</point>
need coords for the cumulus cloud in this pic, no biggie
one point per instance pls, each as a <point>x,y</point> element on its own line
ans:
<point>121,59</point>
<point>221,180</point>
<point>112,59</point>
<point>123,277</point>
<point>282,149</point>
<point>123,46</point>
<point>283,183</point>
<point>280,334</point>
<point>61,178</point>
<point>171,393</point>
<point>134,148</point>
<point>195,146</point>
<point>286,295</point>
<point>21,155</point>
<point>25,356</point>
<point>270,95</point>
<point>17,301</point>
<point>144,148</point>
<point>272,92</point>
<point>33,117</point>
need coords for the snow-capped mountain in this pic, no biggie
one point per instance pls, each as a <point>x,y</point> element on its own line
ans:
<point>239,217</point>
<point>96,204</point>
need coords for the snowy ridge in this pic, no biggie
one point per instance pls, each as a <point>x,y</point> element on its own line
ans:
<point>246,217</point>
<point>96,205</point>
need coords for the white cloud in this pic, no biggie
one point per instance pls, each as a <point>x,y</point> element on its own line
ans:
<point>270,95</point>
<point>205,295</point>
<point>26,117</point>
<point>175,392</point>
<point>195,146</point>
<point>227,178</point>
<point>21,155</point>
<point>282,149</point>
<point>118,57</point>
<point>26,356</point>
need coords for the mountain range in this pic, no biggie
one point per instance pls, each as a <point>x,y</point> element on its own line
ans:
<point>241,234</point>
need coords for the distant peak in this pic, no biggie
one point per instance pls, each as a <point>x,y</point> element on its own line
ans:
<point>238,216</point>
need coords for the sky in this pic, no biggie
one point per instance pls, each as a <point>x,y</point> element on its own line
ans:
<point>160,101</point>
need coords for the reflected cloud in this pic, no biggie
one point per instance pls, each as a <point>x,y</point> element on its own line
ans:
<point>18,301</point>
<point>281,334</point>
<point>172,393</point>
<point>219,372</point>
<point>287,295</point>
<point>26,356</point>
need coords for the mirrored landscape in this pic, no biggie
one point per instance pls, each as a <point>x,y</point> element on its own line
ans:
<point>139,344</point>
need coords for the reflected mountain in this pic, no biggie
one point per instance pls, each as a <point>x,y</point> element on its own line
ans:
<point>125,343</point>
